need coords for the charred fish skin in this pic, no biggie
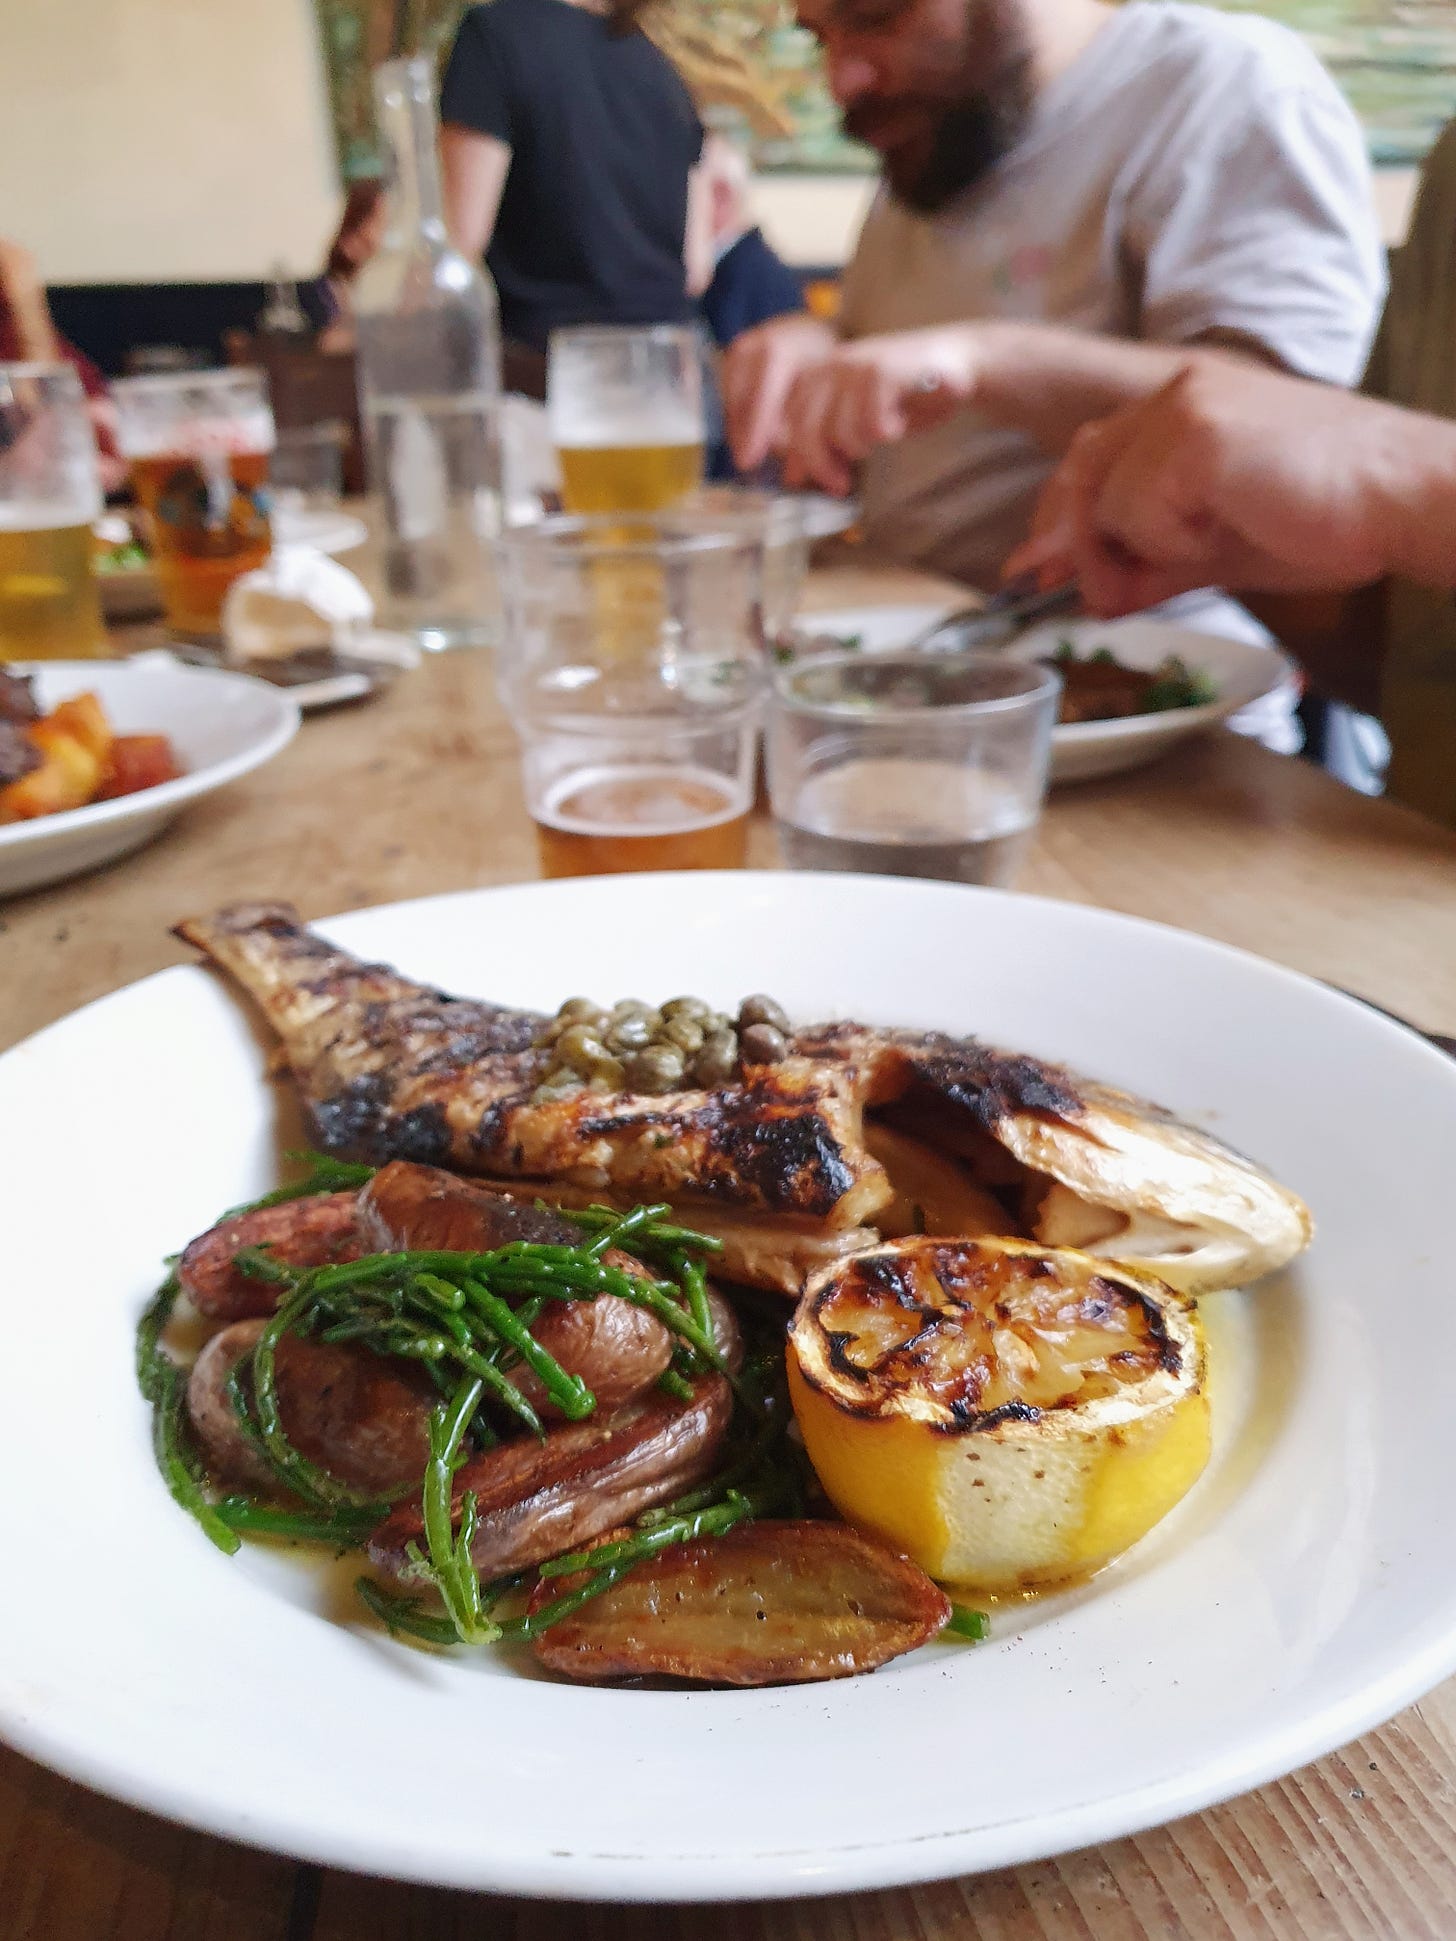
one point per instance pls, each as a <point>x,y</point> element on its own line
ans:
<point>389,1069</point>
<point>352,1032</point>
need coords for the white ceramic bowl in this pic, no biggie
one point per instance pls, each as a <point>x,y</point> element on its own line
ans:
<point>221,726</point>
<point>1300,1594</point>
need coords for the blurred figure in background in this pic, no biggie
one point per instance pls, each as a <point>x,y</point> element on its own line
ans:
<point>28,335</point>
<point>569,153</point>
<point>1262,483</point>
<point>1073,193</point>
<point>1382,650</point>
<point>329,301</point>
<point>751,284</point>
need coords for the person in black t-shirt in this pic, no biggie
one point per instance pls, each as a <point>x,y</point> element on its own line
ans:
<point>751,283</point>
<point>570,151</point>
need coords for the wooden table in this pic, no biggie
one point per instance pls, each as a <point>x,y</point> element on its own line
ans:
<point>418,793</point>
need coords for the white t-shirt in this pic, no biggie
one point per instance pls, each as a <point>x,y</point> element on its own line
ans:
<point>1192,171</point>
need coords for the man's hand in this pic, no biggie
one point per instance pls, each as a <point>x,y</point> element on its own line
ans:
<point>1235,476</point>
<point>874,392</point>
<point>758,374</point>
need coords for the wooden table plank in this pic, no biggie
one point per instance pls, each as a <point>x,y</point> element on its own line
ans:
<point>76,1867</point>
<point>418,793</point>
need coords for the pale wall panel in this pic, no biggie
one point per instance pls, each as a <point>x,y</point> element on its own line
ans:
<point>163,140</point>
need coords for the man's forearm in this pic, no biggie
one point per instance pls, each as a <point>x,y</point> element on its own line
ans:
<point>1049,381</point>
<point>473,171</point>
<point>1413,486</point>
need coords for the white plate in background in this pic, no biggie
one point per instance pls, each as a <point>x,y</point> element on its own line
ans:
<point>1302,1593</point>
<point>1083,750</point>
<point>220,725</point>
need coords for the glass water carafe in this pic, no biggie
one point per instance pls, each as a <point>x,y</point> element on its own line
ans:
<point>429,389</point>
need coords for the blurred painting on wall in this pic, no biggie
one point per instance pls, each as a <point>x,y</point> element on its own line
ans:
<point>754,71</point>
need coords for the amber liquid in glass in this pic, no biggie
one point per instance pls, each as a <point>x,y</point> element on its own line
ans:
<point>628,478</point>
<point>612,820</point>
<point>209,525</point>
<point>49,609</point>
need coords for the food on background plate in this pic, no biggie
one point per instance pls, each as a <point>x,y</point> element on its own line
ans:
<point>1008,1415</point>
<point>117,547</point>
<point>1097,686</point>
<point>70,757</point>
<point>778,1162</point>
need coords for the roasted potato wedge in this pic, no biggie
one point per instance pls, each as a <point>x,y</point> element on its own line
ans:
<point>769,1603</point>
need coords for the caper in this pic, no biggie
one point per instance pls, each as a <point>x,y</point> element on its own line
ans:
<point>759,1009</point>
<point>684,1032</point>
<point>632,1007</point>
<point>579,1046</point>
<point>659,1068</point>
<point>717,1062</point>
<point>607,1074</point>
<point>684,1007</point>
<point>762,1044</point>
<point>579,1009</point>
<point>716,1021</point>
<point>629,1033</point>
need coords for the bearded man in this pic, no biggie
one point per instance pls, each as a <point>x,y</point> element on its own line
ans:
<point>1075,196</point>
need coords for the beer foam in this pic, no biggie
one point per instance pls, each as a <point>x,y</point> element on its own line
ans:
<point>248,436</point>
<point>583,423</point>
<point>641,799</point>
<point>83,506</point>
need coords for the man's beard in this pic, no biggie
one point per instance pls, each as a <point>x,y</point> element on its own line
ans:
<point>967,135</point>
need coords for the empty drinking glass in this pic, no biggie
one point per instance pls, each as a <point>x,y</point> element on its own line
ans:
<point>909,764</point>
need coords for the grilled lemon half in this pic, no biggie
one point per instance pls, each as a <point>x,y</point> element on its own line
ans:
<point>1010,1415</point>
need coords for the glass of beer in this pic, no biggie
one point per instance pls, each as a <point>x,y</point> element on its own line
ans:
<point>199,444</point>
<point>626,412</point>
<point>49,497</point>
<point>633,669</point>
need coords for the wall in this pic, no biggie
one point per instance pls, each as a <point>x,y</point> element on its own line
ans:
<point>163,140</point>
<point>812,219</point>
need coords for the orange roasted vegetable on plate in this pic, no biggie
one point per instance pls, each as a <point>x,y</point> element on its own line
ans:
<point>82,761</point>
<point>137,762</point>
<point>74,742</point>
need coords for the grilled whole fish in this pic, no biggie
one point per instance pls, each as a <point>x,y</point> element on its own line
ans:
<point>782,1165</point>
